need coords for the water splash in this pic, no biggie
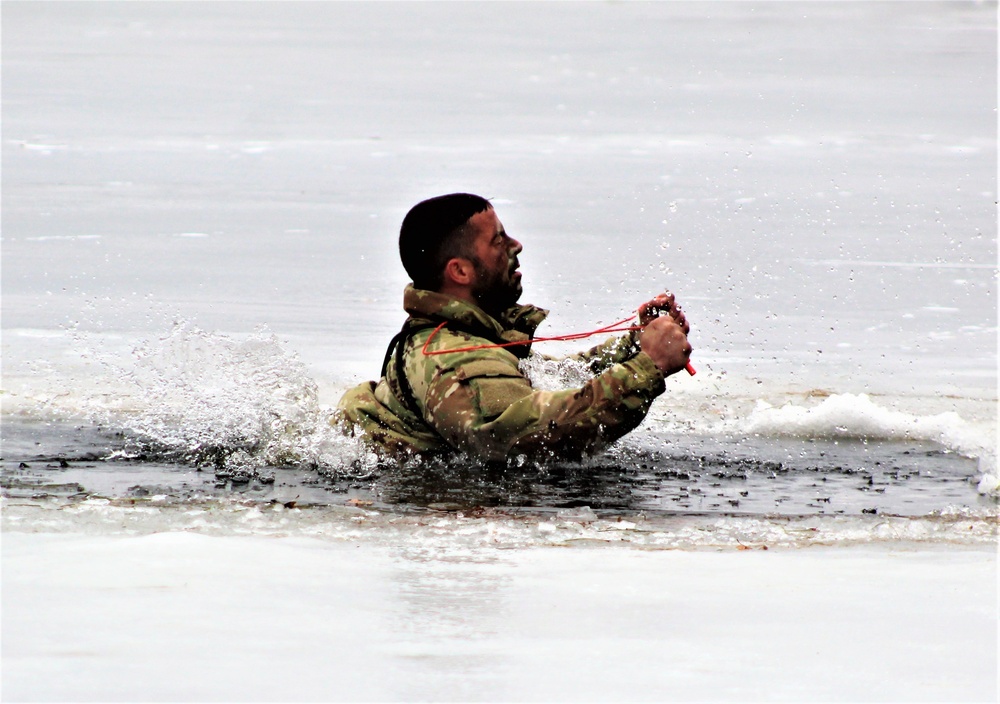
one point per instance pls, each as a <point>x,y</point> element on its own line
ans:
<point>240,406</point>
<point>856,416</point>
<point>547,374</point>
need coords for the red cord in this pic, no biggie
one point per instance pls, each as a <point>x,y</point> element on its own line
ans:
<point>613,327</point>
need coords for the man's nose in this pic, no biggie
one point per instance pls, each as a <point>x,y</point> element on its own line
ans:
<point>515,246</point>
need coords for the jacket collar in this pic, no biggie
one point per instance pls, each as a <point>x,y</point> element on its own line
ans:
<point>516,324</point>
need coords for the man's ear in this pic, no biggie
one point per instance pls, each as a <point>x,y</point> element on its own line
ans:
<point>459,271</point>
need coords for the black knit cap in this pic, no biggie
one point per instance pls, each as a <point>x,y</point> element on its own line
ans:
<point>427,234</point>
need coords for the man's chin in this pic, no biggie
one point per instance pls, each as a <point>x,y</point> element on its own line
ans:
<point>515,293</point>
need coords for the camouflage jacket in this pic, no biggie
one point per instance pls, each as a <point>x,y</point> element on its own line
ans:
<point>479,402</point>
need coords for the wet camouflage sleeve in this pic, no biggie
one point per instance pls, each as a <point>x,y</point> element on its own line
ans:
<point>481,403</point>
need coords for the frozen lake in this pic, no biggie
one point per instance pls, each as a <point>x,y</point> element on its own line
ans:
<point>199,215</point>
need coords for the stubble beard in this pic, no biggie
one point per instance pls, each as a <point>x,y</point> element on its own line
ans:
<point>496,291</point>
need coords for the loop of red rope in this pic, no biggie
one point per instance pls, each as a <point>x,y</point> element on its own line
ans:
<point>613,327</point>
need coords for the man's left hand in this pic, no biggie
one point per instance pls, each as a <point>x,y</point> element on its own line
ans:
<point>663,303</point>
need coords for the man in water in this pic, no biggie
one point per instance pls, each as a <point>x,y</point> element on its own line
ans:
<point>448,385</point>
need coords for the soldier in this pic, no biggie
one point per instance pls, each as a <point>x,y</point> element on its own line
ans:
<point>447,385</point>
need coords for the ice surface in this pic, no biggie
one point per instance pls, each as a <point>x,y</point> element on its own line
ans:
<point>809,181</point>
<point>815,181</point>
<point>179,616</point>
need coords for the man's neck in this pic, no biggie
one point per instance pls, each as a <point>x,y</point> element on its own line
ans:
<point>464,293</point>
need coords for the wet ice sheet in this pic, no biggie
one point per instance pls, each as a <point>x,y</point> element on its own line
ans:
<point>495,528</point>
<point>190,617</point>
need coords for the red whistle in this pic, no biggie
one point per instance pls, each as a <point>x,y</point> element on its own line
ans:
<point>691,370</point>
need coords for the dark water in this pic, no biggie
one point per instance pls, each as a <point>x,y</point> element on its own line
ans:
<point>691,475</point>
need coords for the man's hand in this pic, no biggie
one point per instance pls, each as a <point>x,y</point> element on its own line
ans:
<point>666,342</point>
<point>664,303</point>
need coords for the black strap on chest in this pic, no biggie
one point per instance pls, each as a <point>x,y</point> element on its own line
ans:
<point>398,343</point>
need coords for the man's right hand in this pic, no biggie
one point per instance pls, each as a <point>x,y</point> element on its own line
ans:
<point>664,340</point>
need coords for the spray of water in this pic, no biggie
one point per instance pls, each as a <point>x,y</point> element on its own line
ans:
<point>240,406</point>
<point>857,416</point>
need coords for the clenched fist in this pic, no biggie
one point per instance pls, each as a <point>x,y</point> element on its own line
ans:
<point>665,341</point>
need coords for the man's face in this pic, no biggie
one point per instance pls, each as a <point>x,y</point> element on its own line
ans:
<point>498,282</point>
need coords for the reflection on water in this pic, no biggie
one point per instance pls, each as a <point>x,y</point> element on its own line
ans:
<point>448,598</point>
